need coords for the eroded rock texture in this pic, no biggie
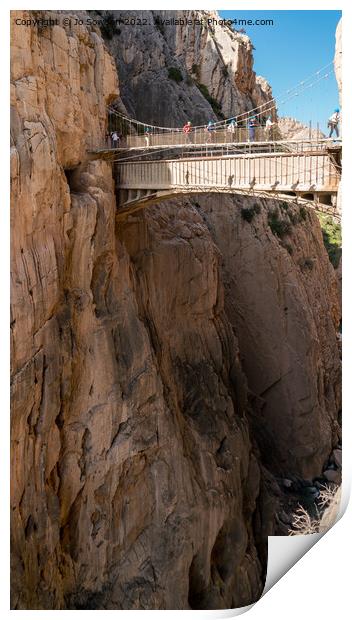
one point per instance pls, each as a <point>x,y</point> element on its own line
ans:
<point>162,369</point>
<point>282,300</point>
<point>209,59</point>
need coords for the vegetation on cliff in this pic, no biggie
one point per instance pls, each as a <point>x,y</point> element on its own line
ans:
<point>332,238</point>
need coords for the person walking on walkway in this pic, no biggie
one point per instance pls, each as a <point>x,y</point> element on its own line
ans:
<point>210,129</point>
<point>115,139</point>
<point>231,129</point>
<point>147,136</point>
<point>269,128</point>
<point>333,123</point>
<point>251,129</point>
<point>187,128</point>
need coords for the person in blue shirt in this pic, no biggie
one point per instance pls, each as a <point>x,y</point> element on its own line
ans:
<point>251,128</point>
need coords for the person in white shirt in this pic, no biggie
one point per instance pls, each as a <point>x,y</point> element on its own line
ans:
<point>269,128</point>
<point>147,136</point>
<point>231,129</point>
<point>115,139</point>
<point>333,123</point>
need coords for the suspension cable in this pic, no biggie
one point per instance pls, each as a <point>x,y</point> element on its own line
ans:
<point>299,89</point>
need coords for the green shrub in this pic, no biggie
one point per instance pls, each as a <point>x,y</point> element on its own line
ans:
<point>303,213</point>
<point>213,102</point>
<point>204,90</point>
<point>294,217</point>
<point>175,74</point>
<point>196,70</point>
<point>257,208</point>
<point>332,238</point>
<point>248,213</point>
<point>278,226</point>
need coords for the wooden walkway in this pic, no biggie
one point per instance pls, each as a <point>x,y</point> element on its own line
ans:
<point>310,176</point>
<point>304,170</point>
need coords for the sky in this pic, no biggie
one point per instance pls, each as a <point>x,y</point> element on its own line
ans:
<point>298,45</point>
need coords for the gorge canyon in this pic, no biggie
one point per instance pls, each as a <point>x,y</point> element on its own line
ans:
<point>169,371</point>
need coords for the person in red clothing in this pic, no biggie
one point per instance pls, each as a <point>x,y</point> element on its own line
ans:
<point>187,128</point>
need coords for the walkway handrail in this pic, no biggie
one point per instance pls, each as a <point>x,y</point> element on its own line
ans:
<point>223,148</point>
<point>279,171</point>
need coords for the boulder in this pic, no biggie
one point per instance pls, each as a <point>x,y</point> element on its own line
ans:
<point>333,475</point>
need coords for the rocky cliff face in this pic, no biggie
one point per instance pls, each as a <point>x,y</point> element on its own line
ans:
<point>124,481</point>
<point>162,369</point>
<point>282,301</point>
<point>292,129</point>
<point>212,68</point>
<point>280,297</point>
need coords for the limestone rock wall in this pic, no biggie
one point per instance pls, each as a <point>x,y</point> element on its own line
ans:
<point>210,56</point>
<point>134,480</point>
<point>292,129</point>
<point>282,298</point>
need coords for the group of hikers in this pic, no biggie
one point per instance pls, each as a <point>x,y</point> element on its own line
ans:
<point>232,126</point>
<point>253,122</point>
<point>114,138</point>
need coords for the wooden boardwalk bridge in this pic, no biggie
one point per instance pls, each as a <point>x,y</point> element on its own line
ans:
<point>306,171</point>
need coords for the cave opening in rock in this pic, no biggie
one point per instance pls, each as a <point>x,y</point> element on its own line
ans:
<point>196,585</point>
<point>72,178</point>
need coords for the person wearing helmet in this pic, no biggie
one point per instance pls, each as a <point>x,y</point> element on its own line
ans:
<point>333,123</point>
<point>147,136</point>
<point>232,125</point>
